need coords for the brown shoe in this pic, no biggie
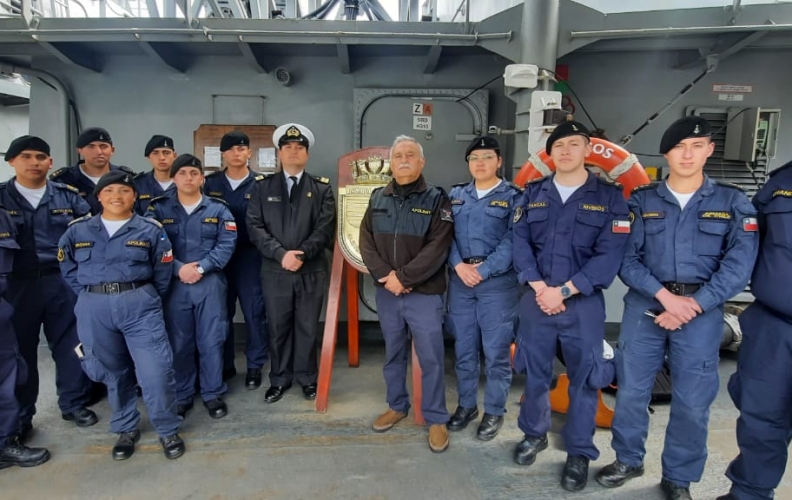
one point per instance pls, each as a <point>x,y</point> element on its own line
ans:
<point>387,420</point>
<point>438,438</point>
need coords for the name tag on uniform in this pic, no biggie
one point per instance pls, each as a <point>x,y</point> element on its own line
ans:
<point>83,244</point>
<point>144,197</point>
<point>13,212</point>
<point>717,215</point>
<point>537,204</point>
<point>782,192</point>
<point>168,221</point>
<point>593,208</point>
<point>653,215</point>
<point>273,198</point>
<point>217,194</point>
<point>421,211</point>
<point>499,203</point>
<point>457,201</point>
<point>210,220</point>
<point>61,211</point>
<point>247,196</point>
<point>138,243</point>
<point>5,235</point>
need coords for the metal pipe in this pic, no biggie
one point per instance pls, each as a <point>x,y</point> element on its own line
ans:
<point>474,37</point>
<point>467,14</point>
<point>692,30</point>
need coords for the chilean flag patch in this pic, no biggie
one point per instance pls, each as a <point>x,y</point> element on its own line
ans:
<point>621,227</point>
<point>167,257</point>
<point>750,224</point>
<point>230,225</point>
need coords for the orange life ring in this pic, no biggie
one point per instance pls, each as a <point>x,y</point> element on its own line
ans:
<point>607,158</point>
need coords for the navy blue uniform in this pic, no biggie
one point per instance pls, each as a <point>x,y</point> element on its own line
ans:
<point>148,188</point>
<point>120,281</point>
<point>40,296</point>
<point>196,313</point>
<point>483,316</point>
<point>762,386</point>
<point>12,366</point>
<point>243,273</point>
<point>581,240</point>
<point>74,177</point>
<point>710,247</point>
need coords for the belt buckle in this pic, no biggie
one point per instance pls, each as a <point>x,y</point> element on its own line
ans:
<point>112,288</point>
<point>676,288</point>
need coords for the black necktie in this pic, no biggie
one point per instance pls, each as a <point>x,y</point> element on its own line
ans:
<point>293,188</point>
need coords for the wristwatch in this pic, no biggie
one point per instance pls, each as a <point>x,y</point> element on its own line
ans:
<point>566,292</point>
<point>199,269</point>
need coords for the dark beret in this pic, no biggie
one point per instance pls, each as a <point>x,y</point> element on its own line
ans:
<point>26,143</point>
<point>483,142</point>
<point>115,177</point>
<point>158,141</point>
<point>235,138</point>
<point>566,129</point>
<point>94,134</point>
<point>185,160</point>
<point>684,128</point>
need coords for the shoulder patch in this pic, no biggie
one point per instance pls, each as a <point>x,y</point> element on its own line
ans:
<point>80,219</point>
<point>213,198</point>
<point>728,185</point>
<point>152,221</point>
<point>59,172</point>
<point>323,180</point>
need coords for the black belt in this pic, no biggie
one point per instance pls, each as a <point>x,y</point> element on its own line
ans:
<point>35,274</point>
<point>682,288</point>
<point>115,288</point>
<point>474,260</point>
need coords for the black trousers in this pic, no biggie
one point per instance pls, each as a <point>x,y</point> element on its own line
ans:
<point>294,303</point>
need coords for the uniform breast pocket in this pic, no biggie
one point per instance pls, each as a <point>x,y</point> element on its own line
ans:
<point>82,254</point>
<point>208,231</point>
<point>381,222</point>
<point>779,222</point>
<point>711,237</point>
<point>588,226</point>
<point>136,254</point>
<point>537,219</point>
<point>497,221</point>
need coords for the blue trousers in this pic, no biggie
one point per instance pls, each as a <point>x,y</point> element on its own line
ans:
<point>196,318</point>
<point>483,318</point>
<point>580,330</point>
<point>762,390</point>
<point>244,283</point>
<point>123,336</point>
<point>49,301</point>
<point>693,359</point>
<point>423,315</point>
<point>10,375</point>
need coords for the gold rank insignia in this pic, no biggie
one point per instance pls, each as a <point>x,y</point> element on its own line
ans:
<point>61,255</point>
<point>293,132</point>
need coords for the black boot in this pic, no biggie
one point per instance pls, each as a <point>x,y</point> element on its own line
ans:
<point>216,408</point>
<point>575,474</point>
<point>489,426</point>
<point>461,418</point>
<point>125,446</point>
<point>529,447</point>
<point>82,417</point>
<point>618,473</point>
<point>674,492</point>
<point>173,446</point>
<point>16,453</point>
<point>253,379</point>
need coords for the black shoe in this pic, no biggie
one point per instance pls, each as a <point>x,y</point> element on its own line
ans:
<point>674,492</point>
<point>461,418</point>
<point>529,447</point>
<point>125,446</point>
<point>253,379</point>
<point>275,393</point>
<point>575,474</point>
<point>83,417</point>
<point>489,426</point>
<point>217,408</point>
<point>618,473</point>
<point>309,392</point>
<point>229,374</point>
<point>182,410</point>
<point>25,431</point>
<point>16,453</point>
<point>173,446</point>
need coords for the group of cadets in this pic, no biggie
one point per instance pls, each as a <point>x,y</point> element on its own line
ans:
<point>144,293</point>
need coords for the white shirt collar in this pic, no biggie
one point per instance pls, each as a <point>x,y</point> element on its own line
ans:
<point>299,176</point>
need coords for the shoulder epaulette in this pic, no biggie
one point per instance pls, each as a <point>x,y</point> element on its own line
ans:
<point>126,169</point>
<point>218,199</point>
<point>323,180</point>
<point>80,219</point>
<point>782,167</point>
<point>643,187</point>
<point>460,184</point>
<point>729,185</point>
<point>139,175</point>
<point>68,187</point>
<point>152,221</point>
<point>158,198</point>
<point>514,186</point>
<point>59,172</point>
<point>212,174</point>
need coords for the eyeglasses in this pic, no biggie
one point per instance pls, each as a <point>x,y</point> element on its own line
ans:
<point>477,158</point>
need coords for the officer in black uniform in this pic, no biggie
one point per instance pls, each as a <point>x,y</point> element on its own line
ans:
<point>95,146</point>
<point>160,152</point>
<point>291,220</point>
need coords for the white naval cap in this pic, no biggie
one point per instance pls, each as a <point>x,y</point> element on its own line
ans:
<point>293,132</point>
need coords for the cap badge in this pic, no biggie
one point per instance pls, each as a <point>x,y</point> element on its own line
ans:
<point>293,132</point>
<point>127,179</point>
<point>482,143</point>
<point>101,136</point>
<point>697,130</point>
<point>574,127</point>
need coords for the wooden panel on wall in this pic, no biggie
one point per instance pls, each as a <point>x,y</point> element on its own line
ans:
<point>207,140</point>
